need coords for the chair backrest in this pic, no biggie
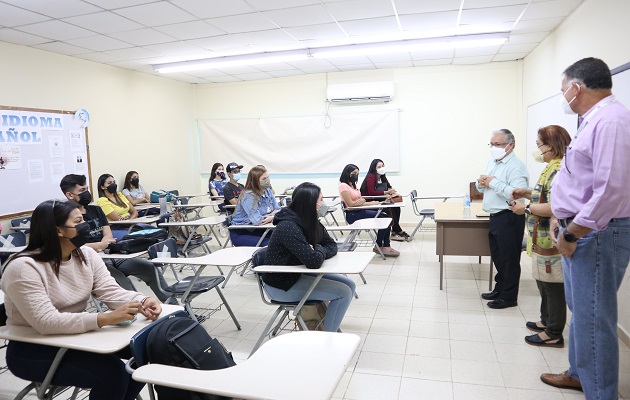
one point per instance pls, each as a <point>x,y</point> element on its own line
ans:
<point>138,343</point>
<point>24,221</point>
<point>14,239</point>
<point>160,249</point>
<point>413,195</point>
<point>474,193</point>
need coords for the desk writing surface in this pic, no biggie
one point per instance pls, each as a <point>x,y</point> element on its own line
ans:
<point>455,212</point>
<point>214,220</point>
<point>363,224</point>
<point>343,263</point>
<point>134,221</point>
<point>378,206</point>
<point>118,256</point>
<point>265,226</point>
<point>198,205</point>
<point>105,340</point>
<point>146,206</point>
<point>226,257</point>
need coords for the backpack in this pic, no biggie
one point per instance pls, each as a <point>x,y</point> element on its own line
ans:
<point>138,241</point>
<point>183,342</point>
<point>152,233</point>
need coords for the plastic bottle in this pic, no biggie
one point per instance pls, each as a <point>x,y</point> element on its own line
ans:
<point>466,206</point>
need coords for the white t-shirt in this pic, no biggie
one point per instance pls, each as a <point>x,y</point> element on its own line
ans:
<point>135,194</point>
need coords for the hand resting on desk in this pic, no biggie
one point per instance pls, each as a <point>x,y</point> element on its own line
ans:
<point>150,308</point>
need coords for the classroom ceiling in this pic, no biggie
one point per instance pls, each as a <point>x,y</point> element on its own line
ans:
<point>136,34</point>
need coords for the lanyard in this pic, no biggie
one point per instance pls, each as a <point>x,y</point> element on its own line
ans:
<point>590,115</point>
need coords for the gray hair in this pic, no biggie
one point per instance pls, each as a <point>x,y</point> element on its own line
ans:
<point>509,136</point>
<point>591,72</point>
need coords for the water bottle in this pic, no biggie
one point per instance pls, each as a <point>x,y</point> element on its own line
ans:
<point>466,206</point>
<point>163,204</point>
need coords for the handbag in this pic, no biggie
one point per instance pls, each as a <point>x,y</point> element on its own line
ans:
<point>546,263</point>
<point>397,199</point>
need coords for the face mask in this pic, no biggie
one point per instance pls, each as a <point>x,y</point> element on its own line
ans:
<point>354,178</point>
<point>221,174</point>
<point>265,183</point>
<point>83,234</point>
<point>322,210</point>
<point>85,198</point>
<point>135,182</point>
<point>497,152</point>
<point>565,104</point>
<point>381,171</point>
<point>236,177</point>
<point>539,154</point>
<point>112,188</point>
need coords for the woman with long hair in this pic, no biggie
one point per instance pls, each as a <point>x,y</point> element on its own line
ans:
<point>376,183</point>
<point>217,180</point>
<point>114,204</point>
<point>256,206</point>
<point>551,144</point>
<point>300,239</point>
<point>351,196</point>
<point>133,190</point>
<point>48,285</point>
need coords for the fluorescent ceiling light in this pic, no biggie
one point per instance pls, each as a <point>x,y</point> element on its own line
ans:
<point>389,47</point>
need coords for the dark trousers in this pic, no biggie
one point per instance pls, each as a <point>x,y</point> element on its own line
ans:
<point>395,214</point>
<point>506,238</point>
<point>382,237</point>
<point>553,308</point>
<point>143,270</point>
<point>242,237</point>
<point>104,374</point>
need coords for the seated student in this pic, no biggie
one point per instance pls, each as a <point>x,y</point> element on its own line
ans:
<point>232,189</point>
<point>351,196</point>
<point>376,184</point>
<point>115,206</point>
<point>299,238</point>
<point>216,182</point>
<point>133,191</point>
<point>256,206</point>
<point>75,188</point>
<point>48,285</point>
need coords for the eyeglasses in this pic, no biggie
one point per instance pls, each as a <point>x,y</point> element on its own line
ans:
<point>502,145</point>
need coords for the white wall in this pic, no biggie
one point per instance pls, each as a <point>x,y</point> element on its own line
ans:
<point>138,121</point>
<point>598,28</point>
<point>446,116</point>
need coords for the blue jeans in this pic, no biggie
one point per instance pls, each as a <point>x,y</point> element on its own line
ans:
<point>242,237</point>
<point>591,280</point>
<point>382,237</point>
<point>338,289</point>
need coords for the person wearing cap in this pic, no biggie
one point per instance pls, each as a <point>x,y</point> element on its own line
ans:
<point>233,189</point>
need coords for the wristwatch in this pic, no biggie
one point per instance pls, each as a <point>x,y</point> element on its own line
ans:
<point>527,210</point>
<point>569,237</point>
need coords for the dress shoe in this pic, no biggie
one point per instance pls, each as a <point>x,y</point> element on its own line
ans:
<point>490,295</point>
<point>500,303</point>
<point>536,340</point>
<point>532,326</point>
<point>563,381</point>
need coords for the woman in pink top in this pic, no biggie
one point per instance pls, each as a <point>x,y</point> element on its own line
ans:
<point>48,285</point>
<point>351,196</point>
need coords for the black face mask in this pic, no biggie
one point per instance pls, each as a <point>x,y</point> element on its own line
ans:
<point>83,234</point>
<point>221,174</point>
<point>135,182</point>
<point>354,178</point>
<point>113,188</point>
<point>85,198</point>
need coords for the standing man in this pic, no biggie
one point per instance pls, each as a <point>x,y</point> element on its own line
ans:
<point>591,200</point>
<point>504,173</point>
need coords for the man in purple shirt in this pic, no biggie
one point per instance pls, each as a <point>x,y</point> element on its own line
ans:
<point>591,204</point>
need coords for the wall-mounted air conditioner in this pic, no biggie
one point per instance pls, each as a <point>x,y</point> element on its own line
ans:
<point>367,92</point>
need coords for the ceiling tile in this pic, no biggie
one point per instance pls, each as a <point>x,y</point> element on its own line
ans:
<point>382,58</point>
<point>183,49</point>
<point>356,67</point>
<point>473,60</point>
<point>320,69</point>
<point>426,63</point>
<point>22,38</point>
<point>518,48</point>
<point>537,25</point>
<point>223,79</point>
<point>300,16</point>
<point>56,8</point>
<point>274,67</point>
<point>254,76</point>
<point>268,39</point>
<point>431,21</point>
<point>56,30</point>
<point>349,60</point>
<point>425,6</point>
<point>360,9</point>
<point>61,48</point>
<point>492,3</point>
<point>536,37</point>
<point>477,51</point>
<point>238,70</point>
<point>310,63</point>
<point>142,37</point>
<point>208,73</point>
<point>98,57</point>
<point>316,32</point>
<point>14,16</point>
<point>221,43</point>
<point>190,30</point>
<point>373,26</point>
<point>266,5</point>
<point>242,23</point>
<point>132,53</point>
<point>155,14</point>
<point>551,9</point>
<point>398,64</point>
<point>288,72</point>
<point>509,57</point>
<point>113,4</point>
<point>99,43</point>
<point>212,9</point>
<point>478,16</point>
<point>103,22</point>
<point>432,54</point>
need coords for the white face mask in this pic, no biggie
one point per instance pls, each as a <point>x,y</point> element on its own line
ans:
<point>565,104</point>
<point>538,155</point>
<point>497,153</point>
<point>322,210</point>
<point>381,171</point>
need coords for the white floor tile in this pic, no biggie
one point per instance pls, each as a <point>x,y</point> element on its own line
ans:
<point>465,391</point>
<point>477,372</point>
<point>437,369</point>
<point>372,387</point>
<point>385,344</point>
<point>380,363</point>
<point>422,389</point>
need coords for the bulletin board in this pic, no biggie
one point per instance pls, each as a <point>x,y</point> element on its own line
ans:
<point>38,148</point>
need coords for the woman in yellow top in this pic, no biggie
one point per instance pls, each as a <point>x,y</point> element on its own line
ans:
<point>114,204</point>
<point>551,143</point>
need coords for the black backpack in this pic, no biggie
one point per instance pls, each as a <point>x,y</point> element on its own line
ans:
<point>137,241</point>
<point>183,342</point>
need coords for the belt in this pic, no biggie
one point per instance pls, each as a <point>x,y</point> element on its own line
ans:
<point>499,213</point>
<point>564,222</point>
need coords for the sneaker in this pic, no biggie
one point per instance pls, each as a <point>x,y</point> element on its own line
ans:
<point>375,249</point>
<point>397,237</point>
<point>390,252</point>
<point>406,236</point>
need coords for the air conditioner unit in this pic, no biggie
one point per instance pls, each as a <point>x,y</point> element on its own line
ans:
<point>367,92</point>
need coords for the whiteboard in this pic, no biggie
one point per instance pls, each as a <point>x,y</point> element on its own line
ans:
<point>302,145</point>
<point>37,149</point>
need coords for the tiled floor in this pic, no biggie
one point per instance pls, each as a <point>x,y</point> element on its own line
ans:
<point>418,342</point>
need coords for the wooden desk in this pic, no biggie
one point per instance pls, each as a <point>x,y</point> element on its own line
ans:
<point>459,236</point>
<point>209,222</point>
<point>282,369</point>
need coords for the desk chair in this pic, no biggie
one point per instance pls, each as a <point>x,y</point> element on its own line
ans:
<point>283,307</point>
<point>331,209</point>
<point>192,286</point>
<point>8,241</point>
<point>24,221</point>
<point>425,212</point>
<point>138,347</point>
